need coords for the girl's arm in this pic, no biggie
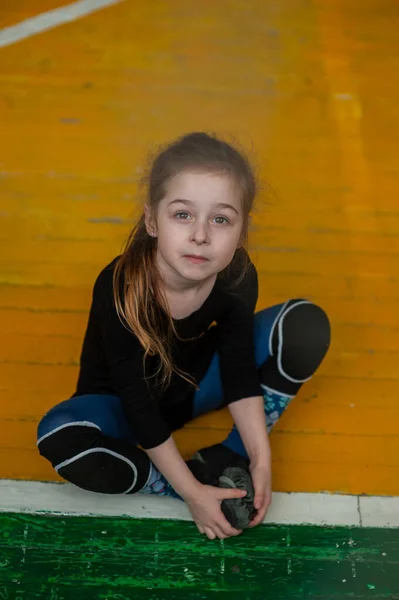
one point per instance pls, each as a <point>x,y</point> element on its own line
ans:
<point>249,417</point>
<point>168,460</point>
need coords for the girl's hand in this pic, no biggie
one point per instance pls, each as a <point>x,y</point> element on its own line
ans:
<point>207,514</point>
<point>262,480</point>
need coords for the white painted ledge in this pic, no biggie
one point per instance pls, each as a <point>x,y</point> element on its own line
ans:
<point>379,511</point>
<point>288,509</point>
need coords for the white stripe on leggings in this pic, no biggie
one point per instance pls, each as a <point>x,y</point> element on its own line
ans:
<point>273,327</point>
<point>270,390</point>
<point>280,345</point>
<point>80,423</point>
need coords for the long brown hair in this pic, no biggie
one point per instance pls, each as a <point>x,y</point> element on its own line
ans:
<point>139,300</point>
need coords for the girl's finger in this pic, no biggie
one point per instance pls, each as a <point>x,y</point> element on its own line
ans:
<point>255,522</point>
<point>259,501</point>
<point>219,532</point>
<point>227,494</point>
<point>227,529</point>
<point>258,517</point>
<point>200,529</point>
<point>208,531</point>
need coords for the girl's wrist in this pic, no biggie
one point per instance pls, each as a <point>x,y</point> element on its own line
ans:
<point>190,491</point>
<point>261,458</point>
<point>260,462</point>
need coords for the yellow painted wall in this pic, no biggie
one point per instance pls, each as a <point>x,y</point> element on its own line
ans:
<point>313,87</point>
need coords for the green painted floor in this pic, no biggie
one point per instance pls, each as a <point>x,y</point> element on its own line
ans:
<point>72,558</point>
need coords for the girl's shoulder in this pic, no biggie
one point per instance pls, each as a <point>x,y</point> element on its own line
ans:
<point>107,272</point>
<point>103,285</point>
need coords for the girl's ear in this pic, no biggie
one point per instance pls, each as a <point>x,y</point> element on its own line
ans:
<point>150,225</point>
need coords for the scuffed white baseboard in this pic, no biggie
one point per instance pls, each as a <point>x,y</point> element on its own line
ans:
<point>296,508</point>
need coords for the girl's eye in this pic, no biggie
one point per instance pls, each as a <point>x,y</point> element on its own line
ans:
<point>224,220</point>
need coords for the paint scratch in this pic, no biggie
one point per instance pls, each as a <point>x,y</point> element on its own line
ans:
<point>189,576</point>
<point>351,543</point>
<point>111,219</point>
<point>222,558</point>
<point>289,566</point>
<point>156,554</point>
<point>23,547</point>
<point>353,569</point>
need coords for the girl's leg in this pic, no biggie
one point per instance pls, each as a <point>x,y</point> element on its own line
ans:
<point>88,441</point>
<point>291,340</point>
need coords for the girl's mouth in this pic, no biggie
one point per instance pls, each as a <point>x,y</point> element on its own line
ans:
<point>195,259</point>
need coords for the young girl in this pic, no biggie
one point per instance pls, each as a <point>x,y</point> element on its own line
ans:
<point>172,335</point>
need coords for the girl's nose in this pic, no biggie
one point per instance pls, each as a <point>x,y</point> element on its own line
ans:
<point>200,234</point>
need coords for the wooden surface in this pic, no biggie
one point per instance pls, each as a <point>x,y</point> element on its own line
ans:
<point>78,557</point>
<point>309,86</point>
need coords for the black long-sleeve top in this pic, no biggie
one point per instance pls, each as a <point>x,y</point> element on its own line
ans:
<point>112,357</point>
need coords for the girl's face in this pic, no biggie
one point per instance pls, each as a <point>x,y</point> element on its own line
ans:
<point>200,216</point>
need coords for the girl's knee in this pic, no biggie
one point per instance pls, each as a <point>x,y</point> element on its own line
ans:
<point>101,470</point>
<point>306,323</point>
<point>60,433</point>
<point>302,338</point>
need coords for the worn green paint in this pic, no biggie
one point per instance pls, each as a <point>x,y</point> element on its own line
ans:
<point>73,558</point>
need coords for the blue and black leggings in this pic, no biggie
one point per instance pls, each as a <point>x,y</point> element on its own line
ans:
<point>87,438</point>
